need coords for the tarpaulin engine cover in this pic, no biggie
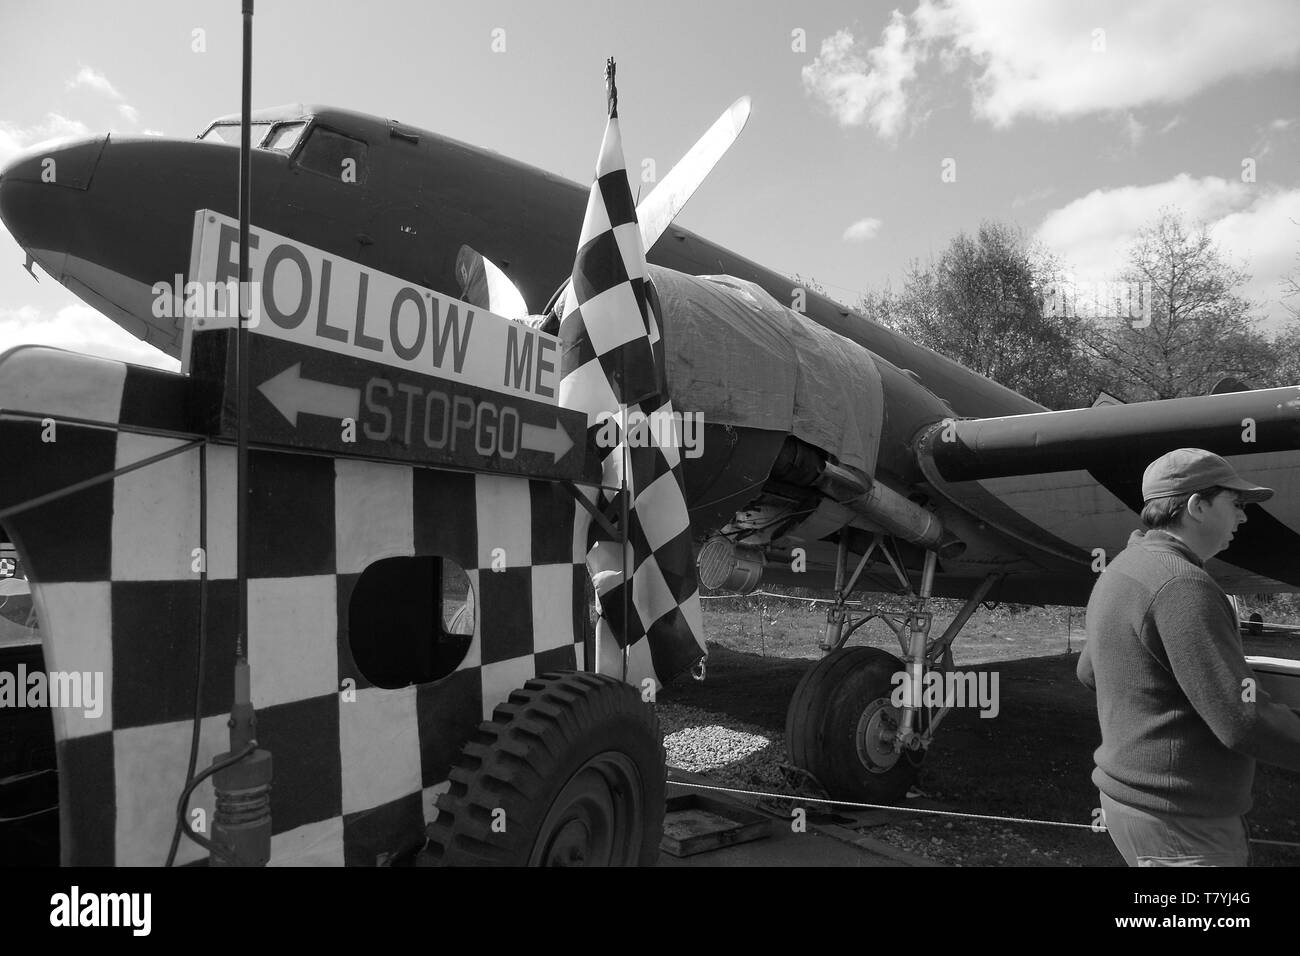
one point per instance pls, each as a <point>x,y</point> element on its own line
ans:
<point>740,357</point>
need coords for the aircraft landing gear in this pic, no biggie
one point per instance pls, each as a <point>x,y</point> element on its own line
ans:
<point>841,726</point>
<point>852,722</point>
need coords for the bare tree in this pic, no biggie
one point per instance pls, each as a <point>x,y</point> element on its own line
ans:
<point>1286,354</point>
<point>1291,287</point>
<point>1199,329</point>
<point>1286,343</point>
<point>809,283</point>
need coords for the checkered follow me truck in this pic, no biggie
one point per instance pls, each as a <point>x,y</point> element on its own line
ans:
<point>420,658</point>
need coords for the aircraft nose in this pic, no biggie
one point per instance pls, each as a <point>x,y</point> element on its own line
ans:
<point>110,217</point>
<point>41,186</point>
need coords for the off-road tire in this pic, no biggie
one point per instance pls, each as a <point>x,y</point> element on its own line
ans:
<point>569,771</point>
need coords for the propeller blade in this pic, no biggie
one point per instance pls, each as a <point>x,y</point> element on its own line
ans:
<point>668,198</point>
<point>482,283</point>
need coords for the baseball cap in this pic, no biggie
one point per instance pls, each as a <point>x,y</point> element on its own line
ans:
<point>1185,470</point>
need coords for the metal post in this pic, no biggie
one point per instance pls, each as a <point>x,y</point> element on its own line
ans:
<point>958,622</point>
<point>927,574</point>
<point>918,622</point>
<point>835,613</point>
<point>241,344</point>
<point>241,820</point>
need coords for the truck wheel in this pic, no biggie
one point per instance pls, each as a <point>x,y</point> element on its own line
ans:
<point>568,772</point>
<point>841,724</point>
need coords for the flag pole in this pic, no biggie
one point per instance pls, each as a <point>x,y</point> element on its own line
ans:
<point>611,97</point>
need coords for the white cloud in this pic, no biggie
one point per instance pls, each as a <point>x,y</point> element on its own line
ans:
<point>1173,124</point>
<point>92,79</point>
<point>865,87</point>
<point>14,139</point>
<point>1095,229</point>
<point>1267,236</point>
<point>862,230</point>
<point>1253,226</point>
<point>78,328</point>
<point>1033,59</point>
<point>1036,59</point>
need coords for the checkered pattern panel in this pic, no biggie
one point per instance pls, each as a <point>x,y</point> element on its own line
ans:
<point>612,369</point>
<point>116,577</point>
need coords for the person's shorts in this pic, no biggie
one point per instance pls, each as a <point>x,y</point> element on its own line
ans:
<point>1150,839</point>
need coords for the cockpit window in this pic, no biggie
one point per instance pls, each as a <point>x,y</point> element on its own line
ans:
<point>332,154</point>
<point>284,137</point>
<point>229,133</point>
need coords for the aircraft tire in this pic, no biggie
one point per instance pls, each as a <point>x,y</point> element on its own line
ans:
<point>833,727</point>
<point>570,771</point>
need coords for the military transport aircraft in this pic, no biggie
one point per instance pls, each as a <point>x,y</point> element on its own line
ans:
<point>836,452</point>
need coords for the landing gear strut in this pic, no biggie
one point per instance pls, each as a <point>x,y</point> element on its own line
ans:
<point>852,723</point>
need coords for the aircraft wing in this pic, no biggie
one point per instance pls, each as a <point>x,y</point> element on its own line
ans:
<point>1063,484</point>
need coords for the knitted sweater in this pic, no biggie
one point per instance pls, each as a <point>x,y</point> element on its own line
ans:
<point>1165,658</point>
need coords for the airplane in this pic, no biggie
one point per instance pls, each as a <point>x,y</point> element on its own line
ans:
<point>836,452</point>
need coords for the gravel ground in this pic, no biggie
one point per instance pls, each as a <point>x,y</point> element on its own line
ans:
<point>961,839</point>
<point>738,755</point>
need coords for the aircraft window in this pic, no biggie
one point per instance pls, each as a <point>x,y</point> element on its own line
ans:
<point>410,620</point>
<point>285,137</point>
<point>335,155</point>
<point>229,133</point>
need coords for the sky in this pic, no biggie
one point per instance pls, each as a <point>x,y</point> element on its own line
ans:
<point>878,132</point>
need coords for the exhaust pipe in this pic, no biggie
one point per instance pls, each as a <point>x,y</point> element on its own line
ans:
<point>887,508</point>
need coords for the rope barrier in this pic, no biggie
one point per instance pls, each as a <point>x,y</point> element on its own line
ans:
<point>880,806</point>
<point>923,810</point>
<point>769,594</point>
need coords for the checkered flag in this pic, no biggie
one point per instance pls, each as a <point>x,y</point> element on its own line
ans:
<point>612,369</point>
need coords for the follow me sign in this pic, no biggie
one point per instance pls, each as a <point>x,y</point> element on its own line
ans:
<point>307,296</point>
<point>353,361</point>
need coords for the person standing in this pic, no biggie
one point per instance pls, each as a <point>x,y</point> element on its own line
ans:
<point>1183,721</point>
